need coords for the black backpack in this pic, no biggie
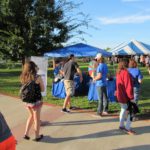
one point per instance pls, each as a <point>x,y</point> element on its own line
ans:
<point>27,92</point>
<point>133,109</point>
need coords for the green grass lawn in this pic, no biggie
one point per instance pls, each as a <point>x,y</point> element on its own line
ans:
<point>9,84</point>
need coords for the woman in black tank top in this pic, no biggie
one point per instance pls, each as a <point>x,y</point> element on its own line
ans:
<point>29,74</point>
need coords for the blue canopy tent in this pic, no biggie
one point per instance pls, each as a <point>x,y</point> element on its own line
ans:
<point>79,50</point>
<point>132,48</point>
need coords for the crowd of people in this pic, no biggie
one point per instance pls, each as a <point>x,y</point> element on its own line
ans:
<point>128,81</point>
<point>144,61</point>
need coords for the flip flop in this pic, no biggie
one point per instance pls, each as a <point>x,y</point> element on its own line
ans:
<point>26,137</point>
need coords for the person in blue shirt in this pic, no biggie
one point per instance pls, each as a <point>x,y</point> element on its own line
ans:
<point>58,70</point>
<point>100,78</point>
<point>56,67</point>
<point>136,77</point>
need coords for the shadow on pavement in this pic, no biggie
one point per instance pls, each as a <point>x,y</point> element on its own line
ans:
<point>139,147</point>
<point>45,123</point>
<point>83,122</point>
<point>48,139</point>
<point>109,133</point>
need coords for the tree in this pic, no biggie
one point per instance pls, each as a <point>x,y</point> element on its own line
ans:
<point>108,49</point>
<point>33,27</point>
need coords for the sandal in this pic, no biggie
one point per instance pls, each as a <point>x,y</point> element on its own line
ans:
<point>26,137</point>
<point>130,132</point>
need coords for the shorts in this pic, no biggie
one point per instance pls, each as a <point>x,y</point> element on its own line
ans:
<point>34,105</point>
<point>8,144</point>
<point>69,87</point>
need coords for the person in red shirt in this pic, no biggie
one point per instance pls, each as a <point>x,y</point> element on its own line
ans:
<point>124,93</point>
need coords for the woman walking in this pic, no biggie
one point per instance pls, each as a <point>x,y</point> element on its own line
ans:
<point>28,75</point>
<point>124,94</point>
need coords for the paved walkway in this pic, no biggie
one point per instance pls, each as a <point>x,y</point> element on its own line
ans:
<point>78,130</point>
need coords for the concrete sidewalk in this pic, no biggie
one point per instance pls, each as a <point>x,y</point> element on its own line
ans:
<point>74,131</point>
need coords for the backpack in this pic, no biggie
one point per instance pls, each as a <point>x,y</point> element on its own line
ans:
<point>133,109</point>
<point>27,92</point>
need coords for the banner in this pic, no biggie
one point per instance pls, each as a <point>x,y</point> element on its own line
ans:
<point>42,63</point>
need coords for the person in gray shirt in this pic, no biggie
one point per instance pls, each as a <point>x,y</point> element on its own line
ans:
<point>69,70</point>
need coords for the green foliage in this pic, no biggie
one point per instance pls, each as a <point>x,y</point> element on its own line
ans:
<point>108,48</point>
<point>10,65</point>
<point>34,27</point>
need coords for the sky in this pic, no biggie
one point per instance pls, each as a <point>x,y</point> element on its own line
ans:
<point>118,21</point>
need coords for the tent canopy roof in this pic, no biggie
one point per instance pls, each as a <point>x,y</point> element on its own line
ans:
<point>132,48</point>
<point>79,50</point>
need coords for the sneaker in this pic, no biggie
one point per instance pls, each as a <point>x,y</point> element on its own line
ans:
<point>65,110</point>
<point>122,128</point>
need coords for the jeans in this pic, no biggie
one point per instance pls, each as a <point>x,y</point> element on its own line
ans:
<point>136,93</point>
<point>102,99</point>
<point>123,114</point>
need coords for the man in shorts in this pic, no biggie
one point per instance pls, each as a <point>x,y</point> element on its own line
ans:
<point>69,70</point>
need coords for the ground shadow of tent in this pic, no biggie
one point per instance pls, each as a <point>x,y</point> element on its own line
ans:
<point>79,50</point>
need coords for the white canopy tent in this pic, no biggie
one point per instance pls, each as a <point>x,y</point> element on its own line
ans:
<point>132,48</point>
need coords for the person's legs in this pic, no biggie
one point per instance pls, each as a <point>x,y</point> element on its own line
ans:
<point>29,122</point>
<point>122,114</point>
<point>136,94</point>
<point>69,88</point>
<point>128,122</point>
<point>72,92</point>
<point>136,98</point>
<point>100,101</point>
<point>105,99</point>
<point>36,114</point>
<point>66,101</point>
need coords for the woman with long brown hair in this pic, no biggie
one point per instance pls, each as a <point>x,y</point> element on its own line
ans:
<point>29,74</point>
<point>124,93</point>
<point>136,78</point>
